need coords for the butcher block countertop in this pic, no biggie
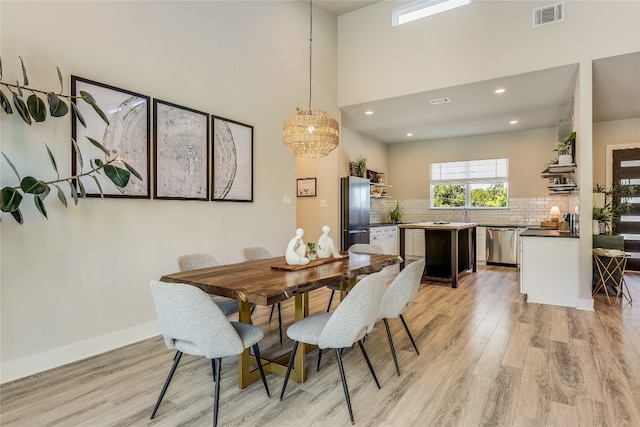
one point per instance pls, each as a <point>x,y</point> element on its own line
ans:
<point>439,225</point>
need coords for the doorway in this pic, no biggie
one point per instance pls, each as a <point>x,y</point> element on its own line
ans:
<point>626,170</point>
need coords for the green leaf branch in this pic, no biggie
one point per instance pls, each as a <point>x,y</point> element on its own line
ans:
<point>34,110</point>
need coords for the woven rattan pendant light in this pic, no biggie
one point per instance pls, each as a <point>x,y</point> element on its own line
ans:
<point>311,132</point>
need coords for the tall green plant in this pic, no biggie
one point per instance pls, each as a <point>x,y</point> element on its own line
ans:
<point>34,110</point>
<point>616,201</point>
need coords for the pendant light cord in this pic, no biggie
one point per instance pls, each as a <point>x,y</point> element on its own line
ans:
<point>310,51</point>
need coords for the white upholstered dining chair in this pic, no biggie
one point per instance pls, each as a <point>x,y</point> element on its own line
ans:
<point>192,323</point>
<point>362,248</point>
<point>398,297</point>
<point>201,260</point>
<point>348,324</point>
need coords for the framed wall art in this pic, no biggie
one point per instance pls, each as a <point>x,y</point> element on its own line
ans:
<point>232,161</point>
<point>127,134</point>
<point>181,146</point>
<point>306,187</point>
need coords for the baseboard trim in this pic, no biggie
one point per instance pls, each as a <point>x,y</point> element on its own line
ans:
<point>30,365</point>
<point>585,304</point>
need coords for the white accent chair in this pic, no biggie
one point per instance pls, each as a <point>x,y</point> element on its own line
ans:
<point>362,248</point>
<point>398,297</point>
<point>192,323</point>
<point>257,253</point>
<point>348,324</point>
<point>196,261</point>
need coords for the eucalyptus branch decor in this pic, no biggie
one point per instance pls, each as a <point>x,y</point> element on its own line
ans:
<point>34,110</point>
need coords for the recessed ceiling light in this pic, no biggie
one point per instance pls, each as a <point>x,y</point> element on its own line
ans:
<point>368,113</point>
<point>409,134</point>
<point>499,90</point>
<point>513,122</point>
<point>436,101</point>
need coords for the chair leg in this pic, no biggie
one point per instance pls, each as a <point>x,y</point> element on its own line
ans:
<point>215,366</point>
<point>393,349</point>
<point>319,358</point>
<point>406,328</point>
<point>256,351</point>
<point>366,358</point>
<point>330,299</point>
<point>176,360</point>
<point>289,366</point>
<point>271,315</point>
<point>279,323</point>
<point>344,383</point>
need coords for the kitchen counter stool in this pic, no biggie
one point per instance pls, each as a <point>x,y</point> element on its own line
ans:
<point>610,264</point>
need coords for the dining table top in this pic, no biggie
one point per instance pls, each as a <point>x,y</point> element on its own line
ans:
<point>264,282</point>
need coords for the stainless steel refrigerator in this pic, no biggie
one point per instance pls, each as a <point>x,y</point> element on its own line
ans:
<point>355,211</point>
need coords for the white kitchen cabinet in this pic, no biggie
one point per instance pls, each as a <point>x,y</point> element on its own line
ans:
<point>481,245</point>
<point>386,237</point>
<point>549,270</point>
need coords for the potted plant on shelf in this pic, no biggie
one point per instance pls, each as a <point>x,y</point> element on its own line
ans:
<point>361,166</point>
<point>601,218</point>
<point>396,212</point>
<point>565,149</point>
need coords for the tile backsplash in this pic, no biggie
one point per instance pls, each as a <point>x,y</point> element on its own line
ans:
<point>521,211</point>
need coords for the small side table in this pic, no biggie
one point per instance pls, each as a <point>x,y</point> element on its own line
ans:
<point>611,264</point>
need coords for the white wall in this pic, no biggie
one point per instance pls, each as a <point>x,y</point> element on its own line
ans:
<point>483,40</point>
<point>529,152</point>
<point>77,283</point>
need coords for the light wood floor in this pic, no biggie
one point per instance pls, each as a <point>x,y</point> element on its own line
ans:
<point>486,358</point>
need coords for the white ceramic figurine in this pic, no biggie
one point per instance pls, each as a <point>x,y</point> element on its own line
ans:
<point>326,247</point>
<point>296,250</point>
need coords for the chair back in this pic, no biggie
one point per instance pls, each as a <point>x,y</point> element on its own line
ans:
<point>192,323</point>
<point>402,291</point>
<point>355,314</point>
<point>196,261</point>
<point>255,253</point>
<point>366,248</point>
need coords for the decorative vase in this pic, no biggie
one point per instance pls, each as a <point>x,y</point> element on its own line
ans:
<point>602,227</point>
<point>595,226</point>
<point>312,255</point>
<point>565,159</point>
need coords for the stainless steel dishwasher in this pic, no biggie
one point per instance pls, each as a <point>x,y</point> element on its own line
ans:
<point>502,246</point>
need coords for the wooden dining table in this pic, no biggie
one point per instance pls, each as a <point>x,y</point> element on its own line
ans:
<point>269,281</point>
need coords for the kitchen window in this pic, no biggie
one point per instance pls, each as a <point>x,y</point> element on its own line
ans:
<point>470,184</point>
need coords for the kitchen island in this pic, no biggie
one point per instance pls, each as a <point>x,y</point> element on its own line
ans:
<point>449,248</point>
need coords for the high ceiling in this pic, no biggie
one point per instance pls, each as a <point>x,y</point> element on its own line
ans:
<point>536,100</point>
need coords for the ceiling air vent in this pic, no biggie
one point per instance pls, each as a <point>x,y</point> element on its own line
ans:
<point>548,14</point>
<point>436,101</point>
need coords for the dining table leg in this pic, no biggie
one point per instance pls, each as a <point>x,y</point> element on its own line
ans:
<point>247,376</point>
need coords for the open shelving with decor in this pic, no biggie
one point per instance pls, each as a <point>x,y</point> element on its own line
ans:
<point>380,191</point>
<point>561,178</point>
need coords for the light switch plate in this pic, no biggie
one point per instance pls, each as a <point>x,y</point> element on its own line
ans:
<point>286,200</point>
<point>323,203</point>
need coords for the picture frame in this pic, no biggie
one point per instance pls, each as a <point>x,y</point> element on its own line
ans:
<point>372,176</point>
<point>380,178</point>
<point>306,187</point>
<point>181,148</point>
<point>232,161</point>
<point>128,134</point>
<point>353,169</point>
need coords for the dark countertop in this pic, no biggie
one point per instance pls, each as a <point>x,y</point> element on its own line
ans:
<point>382,224</point>
<point>439,225</point>
<point>538,232</point>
